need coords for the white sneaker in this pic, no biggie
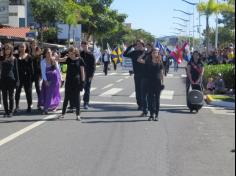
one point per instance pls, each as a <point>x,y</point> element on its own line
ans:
<point>78,118</point>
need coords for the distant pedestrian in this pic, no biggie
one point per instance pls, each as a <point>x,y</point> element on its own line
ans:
<point>50,94</point>
<point>106,60</point>
<point>90,68</point>
<point>154,67</point>
<point>75,77</point>
<point>9,79</point>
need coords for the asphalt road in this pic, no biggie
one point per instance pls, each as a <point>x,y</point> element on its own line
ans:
<point>112,140</point>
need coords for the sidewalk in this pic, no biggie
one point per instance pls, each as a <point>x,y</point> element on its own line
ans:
<point>221,103</point>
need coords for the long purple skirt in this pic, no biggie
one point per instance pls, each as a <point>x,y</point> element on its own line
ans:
<point>50,97</point>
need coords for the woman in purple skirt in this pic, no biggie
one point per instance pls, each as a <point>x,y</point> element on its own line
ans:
<point>50,97</point>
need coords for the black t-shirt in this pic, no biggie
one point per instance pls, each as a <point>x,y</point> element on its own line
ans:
<point>153,69</point>
<point>90,63</point>
<point>73,74</point>
<point>9,71</point>
<point>25,68</point>
<point>196,69</point>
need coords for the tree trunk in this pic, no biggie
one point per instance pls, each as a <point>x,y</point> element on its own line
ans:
<point>207,35</point>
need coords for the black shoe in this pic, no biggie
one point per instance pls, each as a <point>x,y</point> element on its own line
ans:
<point>10,115</point>
<point>16,110</point>
<point>29,110</point>
<point>5,115</point>
<point>156,118</point>
<point>151,118</point>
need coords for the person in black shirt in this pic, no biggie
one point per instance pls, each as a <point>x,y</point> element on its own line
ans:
<point>106,59</point>
<point>9,79</point>
<point>195,71</point>
<point>36,54</point>
<point>26,73</point>
<point>75,78</point>
<point>90,68</point>
<point>144,81</point>
<point>154,67</point>
<point>138,68</point>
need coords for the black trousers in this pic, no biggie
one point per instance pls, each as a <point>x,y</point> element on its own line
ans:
<point>8,94</point>
<point>87,90</point>
<point>155,96</point>
<point>106,64</point>
<point>72,94</point>
<point>28,92</point>
<point>144,95</point>
<point>37,86</point>
<point>115,65</point>
<point>138,86</point>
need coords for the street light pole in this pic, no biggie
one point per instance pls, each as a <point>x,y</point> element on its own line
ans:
<point>217,30</point>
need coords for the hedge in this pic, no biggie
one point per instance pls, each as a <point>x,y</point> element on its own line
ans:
<point>227,71</point>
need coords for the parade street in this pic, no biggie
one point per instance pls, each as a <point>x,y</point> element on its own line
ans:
<point>112,140</point>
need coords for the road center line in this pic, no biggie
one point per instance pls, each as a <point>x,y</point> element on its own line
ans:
<point>25,130</point>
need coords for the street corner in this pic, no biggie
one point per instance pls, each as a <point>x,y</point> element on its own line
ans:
<point>220,100</point>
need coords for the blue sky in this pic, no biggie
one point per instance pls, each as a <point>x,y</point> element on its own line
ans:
<point>156,16</point>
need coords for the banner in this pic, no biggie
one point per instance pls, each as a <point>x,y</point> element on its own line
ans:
<point>127,64</point>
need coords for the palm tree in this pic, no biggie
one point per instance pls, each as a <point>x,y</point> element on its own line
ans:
<point>213,7</point>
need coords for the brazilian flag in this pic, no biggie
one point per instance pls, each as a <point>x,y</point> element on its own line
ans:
<point>116,55</point>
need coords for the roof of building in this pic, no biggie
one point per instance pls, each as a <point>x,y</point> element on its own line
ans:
<point>12,32</point>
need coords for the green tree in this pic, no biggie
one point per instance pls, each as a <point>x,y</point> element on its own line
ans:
<point>212,7</point>
<point>72,15</point>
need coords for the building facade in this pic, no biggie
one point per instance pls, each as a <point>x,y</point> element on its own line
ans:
<point>17,13</point>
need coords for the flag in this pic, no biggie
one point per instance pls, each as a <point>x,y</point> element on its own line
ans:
<point>187,55</point>
<point>97,52</point>
<point>161,47</point>
<point>109,49</point>
<point>116,55</point>
<point>177,54</point>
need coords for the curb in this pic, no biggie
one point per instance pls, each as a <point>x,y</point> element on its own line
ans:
<point>209,99</point>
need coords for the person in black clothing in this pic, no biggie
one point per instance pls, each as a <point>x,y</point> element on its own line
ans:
<point>106,59</point>
<point>144,81</point>
<point>138,68</point>
<point>90,68</point>
<point>36,54</point>
<point>9,79</point>
<point>26,75</point>
<point>75,78</point>
<point>154,67</point>
<point>195,71</point>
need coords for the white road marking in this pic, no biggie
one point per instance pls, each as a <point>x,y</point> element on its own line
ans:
<point>108,86</point>
<point>120,80</point>
<point>127,77</point>
<point>222,111</point>
<point>98,74</point>
<point>125,74</point>
<point>111,92</point>
<point>184,76</point>
<point>167,94</point>
<point>170,75</point>
<point>133,95</point>
<point>112,74</point>
<point>25,130</point>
